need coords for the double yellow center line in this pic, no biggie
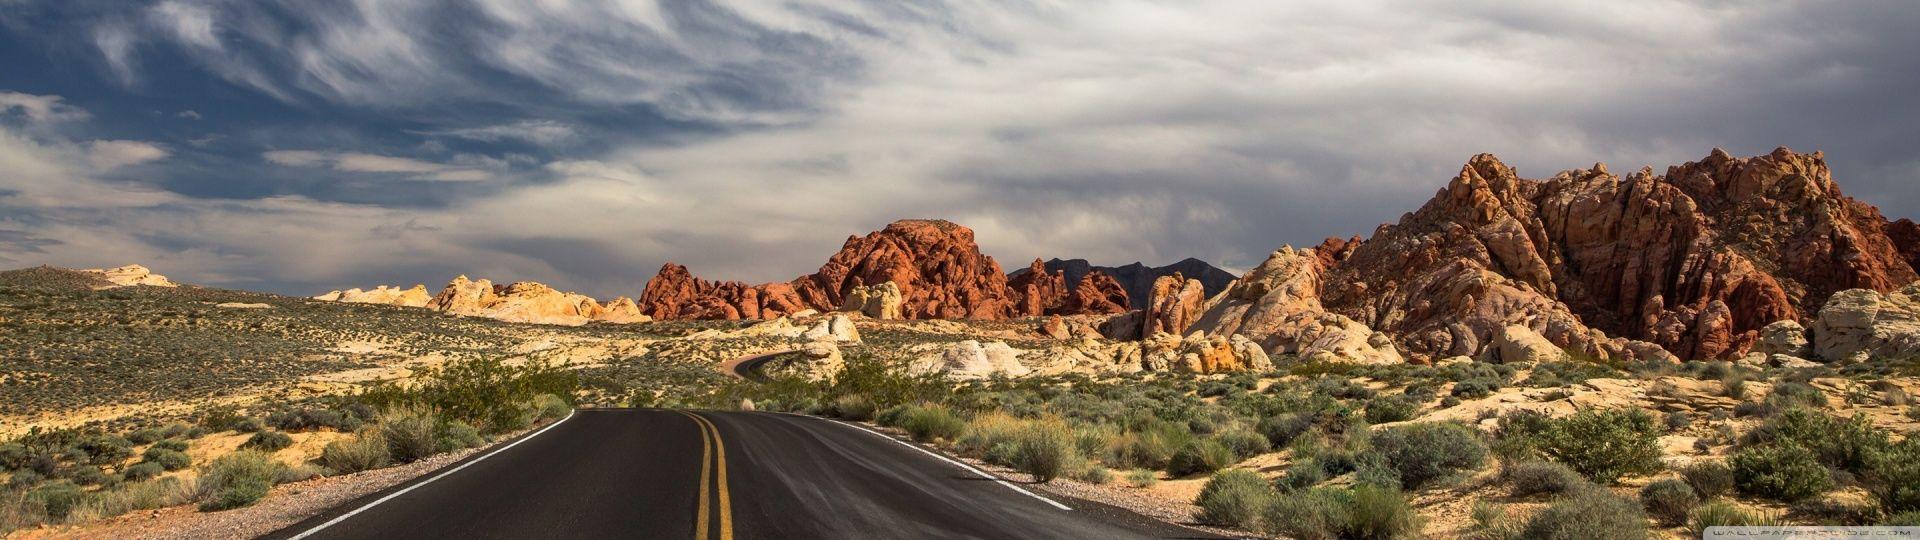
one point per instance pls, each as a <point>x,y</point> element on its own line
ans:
<point>713,455</point>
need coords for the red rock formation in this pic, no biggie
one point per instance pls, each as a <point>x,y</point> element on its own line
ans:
<point>1175,304</point>
<point>1696,260</point>
<point>938,267</point>
<point>1037,292</point>
<point>1096,294</point>
<point>1906,238</point>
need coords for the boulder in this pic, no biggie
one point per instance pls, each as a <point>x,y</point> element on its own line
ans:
<point>1176,302</point>
<point>1859,324</point>
<point>969,360</point>
<point>1518,344</point>
<point>881,301</point>
<point>837,328</point>
<point>816,361</point>
<point>1783,337</point>
<point>385,295</point>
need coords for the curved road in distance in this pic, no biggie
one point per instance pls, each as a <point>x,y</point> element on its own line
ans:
<point>653,473</point>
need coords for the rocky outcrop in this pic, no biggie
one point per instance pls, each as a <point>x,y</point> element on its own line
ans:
<point>1860,324</point>
<point>1202,353</point>
<point>837,328</point>
<point>1783,337</point>
<point>1037,292</point>
<point>1517,344</point>
<point>1096,294</point>
<point>384,295</point>
<point>131,275</point>
<point>936,265</point>
<point>881,301</point>
<point>971,360</point>
<point>1137,279</point>
<point>1277,305</point>
<point>1173,305</point>
<point>814,361</point>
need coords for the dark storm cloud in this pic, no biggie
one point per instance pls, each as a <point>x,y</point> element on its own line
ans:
<point>349,143</point>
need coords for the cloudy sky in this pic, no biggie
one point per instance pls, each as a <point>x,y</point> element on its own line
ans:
<point>301,146</point>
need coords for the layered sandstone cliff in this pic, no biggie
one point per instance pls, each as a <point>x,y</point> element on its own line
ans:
<point>1693,262</point>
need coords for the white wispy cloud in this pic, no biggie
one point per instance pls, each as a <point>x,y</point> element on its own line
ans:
<point>359,162</point>
<point>108,155</point>
<point>541,132</point>
<point>39,109</point>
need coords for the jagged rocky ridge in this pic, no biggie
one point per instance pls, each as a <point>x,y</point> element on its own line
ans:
<point>1692,264</point>
<point>1137,279</point>
<point>935,265</point>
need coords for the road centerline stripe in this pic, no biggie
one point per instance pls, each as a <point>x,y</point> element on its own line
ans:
<point>391,496</point>
<point>706,461</point>
<point>720,459</point>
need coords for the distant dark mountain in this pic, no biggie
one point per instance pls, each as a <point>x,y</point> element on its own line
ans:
<point>1138,278</point>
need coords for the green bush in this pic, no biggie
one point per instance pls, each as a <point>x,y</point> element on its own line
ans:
<point>1723,514</point>
<point>1709,478</point>
<point>1585,514</point>
<point>411,435</point>
<point>1233,498</point>
<point>856,407</point>
<point>1669,500</point>
<point>1377,512</point>
<point>1044,450</point>
<point>1785,472</point>
<point>931,422</point>
<point>1200,455</point>
<point>457,435</point>
<point>1302,474</point>
<point>1141,478</point>
<point>368,450</point>
<point>268,441</point>
<point>313,419</point>
<point>1537,477</point>
<point>237,479</point>
<point>105,449</point>
<point>1603,445</point>
<point>58,498</point>
<point>1281,430</point>
<point>1094,474</point>
<point>1903,519</point>
<point>90,475</point>
<point>172,444</point>
<point>1314,514</point>
<point>142,471</point>
<point>551,407</point>
<point>1391,409</point>
<point>172,460</point>
<point>1893,476</point>
<point>486,393</point>
<point>1244,443</point>
<point>1422,453</point>
<point>1844,444</point>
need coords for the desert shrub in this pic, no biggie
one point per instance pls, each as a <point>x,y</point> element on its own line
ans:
<point>1602,445</point>
<point>1425,452</point>
<point>105,449</point>
<point>984,431</point>
<point>1141,478</point>
<point>1380,513</point>
<point>1281,430</point>
<point>1537,477</point>
<point>171,460</point>
<point>1785,472</point>
<point>1233,498</point>
<point>90,475</point>
<point>1831,510</point>
<point>268,441</point>
<point>1710,479</point>
<point>1476,388</point>
<point>1302,474</point>
<point>142,471</point>
<point>13,456</point>
<point>1678,420</point>
<point>1585,513</point>
<point>1669,500</point>
<point>1244,443</point>
<point>58,499</point>
<point>24,479</point>
<point>856,407</point>
<point>1723,514</point>
<point>1793,394</point>
<point>133,496</point>
<point>931,422</point>
<point>368,450</point>
<point>1315,514</point>
<point>299,473</point>
<point>313,419</point>
<point>1094,474</point>
<point>1491,522</point>
<point>1903,519</point>
<point>1150,448</point>
<point>172,444</point>
<point>144,436</point>
<point>1391,409</point>
<point>485,393</point>
<point>551,407</point>
<point>1200,455</point>
<point>1044,450</point>
<point>1893,476</point>
<point>457,435</point>
<point>410,435</point>
<point>1843,444</point>
<point>237,479</point>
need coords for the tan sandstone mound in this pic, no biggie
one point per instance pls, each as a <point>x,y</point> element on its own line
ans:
<point>131,275</point>
<point>392,296</point>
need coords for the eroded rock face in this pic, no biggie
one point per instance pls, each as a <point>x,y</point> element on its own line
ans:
<point>131,275</point>
<point>816,361</point>
<point>1096,294</point>
<point>1516,344</point>
<point>1037,292</point>
<point>881,301</point>
<point>1199,352</point>
<point>1277,305</point>
<point>837,328</point>
<point>970,360</point>
<point>528,302</point>
<point>936,265</point>
<point>1859,324</point>
<point>1783,337</point>
<point>1174,305</point>
<point>392,296</point>
<point>1673,259</point>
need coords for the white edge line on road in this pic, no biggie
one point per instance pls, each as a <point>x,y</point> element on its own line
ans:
<point>390,496</point>
<point>983,474</point>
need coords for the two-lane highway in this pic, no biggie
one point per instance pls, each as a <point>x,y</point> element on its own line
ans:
<point>649,473</point>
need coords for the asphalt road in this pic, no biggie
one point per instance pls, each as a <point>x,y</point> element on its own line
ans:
<point>651,473</point>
